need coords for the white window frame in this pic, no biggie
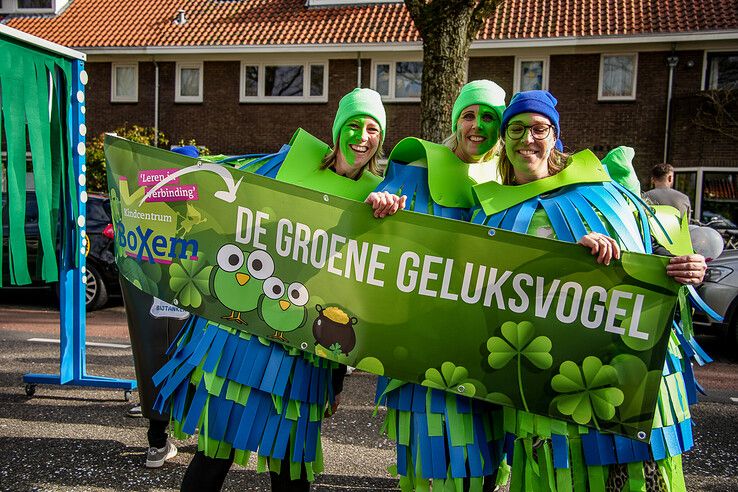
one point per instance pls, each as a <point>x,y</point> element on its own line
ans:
<point>11,7</point>
<point>114,78</point>
<point>518,74</point>
<point>634,87</point>
<point>188,99</point>
<point>392,73</point>
<point>261,98</point>
<point>705,78</point>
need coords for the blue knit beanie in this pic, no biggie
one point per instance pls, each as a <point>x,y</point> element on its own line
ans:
<point>188,150</point>
<point>541,102</point>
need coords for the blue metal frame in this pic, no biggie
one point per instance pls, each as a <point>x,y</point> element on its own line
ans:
<point>72,307</point>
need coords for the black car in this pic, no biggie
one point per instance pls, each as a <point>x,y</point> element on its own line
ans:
<point>102,273</point>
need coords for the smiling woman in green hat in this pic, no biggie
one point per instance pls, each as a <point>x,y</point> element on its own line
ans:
<point>285,427</point>
<point>458,450</point>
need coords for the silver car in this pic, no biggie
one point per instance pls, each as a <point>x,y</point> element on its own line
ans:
<point>720,292</point>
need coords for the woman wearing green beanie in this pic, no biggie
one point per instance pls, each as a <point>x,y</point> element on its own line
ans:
<point>284,424</point>
<point>443,437</point>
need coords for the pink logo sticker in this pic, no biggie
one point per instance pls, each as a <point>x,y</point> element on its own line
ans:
<point>174,194</point>
<point>151,177</point>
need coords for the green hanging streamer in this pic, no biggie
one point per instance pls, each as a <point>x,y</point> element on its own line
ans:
<point>636,477</point>
<point>37,117</point>
<point>15,136</point>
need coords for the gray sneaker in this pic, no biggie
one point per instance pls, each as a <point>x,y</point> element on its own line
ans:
<point>135,411</point>
<point>155,457</point>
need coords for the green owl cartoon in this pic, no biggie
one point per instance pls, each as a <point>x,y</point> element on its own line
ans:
<point>238,279</point>
<point>283,309</point>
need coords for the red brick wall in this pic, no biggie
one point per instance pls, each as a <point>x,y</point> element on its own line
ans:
<point>224,125</point>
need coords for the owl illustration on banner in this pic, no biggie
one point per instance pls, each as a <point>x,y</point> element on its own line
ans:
<point>283,309</point>
<point>238,279</point>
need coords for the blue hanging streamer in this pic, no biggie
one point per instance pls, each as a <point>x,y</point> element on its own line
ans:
<point>424,445</point>
<point>509,220</point>
<point>615,188</point>
<point>215,350</point>
<point>558,221</point>
<point>573,218</point>
<point>311,441</point>
<point>525,215</point>
<point>560,445</point>
<point>702,305</point>
<point>270,434</point>
<point>299,442</point>
<point>437,400</point>
<point>195,410</point>
<point>594,223</point>
<point>258,426</point>
<point>456,456</point>
<point>226,359</point>
<point>233,422</point>
<point>283,376</point>
<point>261,358</point>
<point>615,216</point>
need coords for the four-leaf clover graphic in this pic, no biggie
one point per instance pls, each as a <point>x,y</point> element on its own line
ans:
<point>519,341</point>
<point>451,377</point>
<point>588,392</point>
<point>189,280</point>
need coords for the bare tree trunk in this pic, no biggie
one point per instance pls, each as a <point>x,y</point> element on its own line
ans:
<point>447,28</point>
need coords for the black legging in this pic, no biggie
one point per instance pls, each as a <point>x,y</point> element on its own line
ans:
<point>206,474</point>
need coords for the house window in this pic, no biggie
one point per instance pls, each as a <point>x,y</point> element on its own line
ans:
<point>722,71</point>
<point>398,80</point>
<point>189,82</point>
<point>289,82</point>
<point>124,82</point>
<point>35,4</point>
<point>31,6</point>
<point>618,77</point>
<point>531,74</point>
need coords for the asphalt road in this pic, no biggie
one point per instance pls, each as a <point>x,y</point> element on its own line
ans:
<point>71,438</point>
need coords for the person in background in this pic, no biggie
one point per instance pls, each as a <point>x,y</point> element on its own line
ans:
<point>152,327</point>
<point>663,192</point>
<point>285,432</point>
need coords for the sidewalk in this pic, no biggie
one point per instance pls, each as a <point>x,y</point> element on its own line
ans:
<point>80,439</point>
<point>71,438</point>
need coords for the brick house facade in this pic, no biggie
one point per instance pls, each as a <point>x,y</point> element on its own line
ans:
<point>350,40</point>
<point>586,121</point>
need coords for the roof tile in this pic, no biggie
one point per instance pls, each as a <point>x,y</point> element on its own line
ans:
<point>150,23</point>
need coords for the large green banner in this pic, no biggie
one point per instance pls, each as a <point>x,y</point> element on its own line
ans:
<point>531,323</point>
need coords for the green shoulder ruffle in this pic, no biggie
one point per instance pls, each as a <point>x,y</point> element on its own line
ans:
<point>302,167</point>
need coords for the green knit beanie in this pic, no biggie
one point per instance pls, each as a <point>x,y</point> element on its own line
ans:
<point>478,92</point>
<point>360,102</point>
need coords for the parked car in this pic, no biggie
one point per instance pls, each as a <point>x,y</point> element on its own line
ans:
<point>720,291</point>
<point>102,273</point>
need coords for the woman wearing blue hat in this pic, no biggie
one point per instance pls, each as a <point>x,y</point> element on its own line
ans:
<point>549,455</point>
<point>216,388</point>
<point>437,179</point>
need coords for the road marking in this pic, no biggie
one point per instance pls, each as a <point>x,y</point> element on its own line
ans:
<point>734,399</point>
<point>88,344</point>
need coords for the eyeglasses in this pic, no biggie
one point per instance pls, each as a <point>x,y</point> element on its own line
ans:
<point>516,131</point>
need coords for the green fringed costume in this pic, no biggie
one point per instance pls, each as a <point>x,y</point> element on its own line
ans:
<point>245,393</point>
<point>551,455</point>
<point>440,437</point>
